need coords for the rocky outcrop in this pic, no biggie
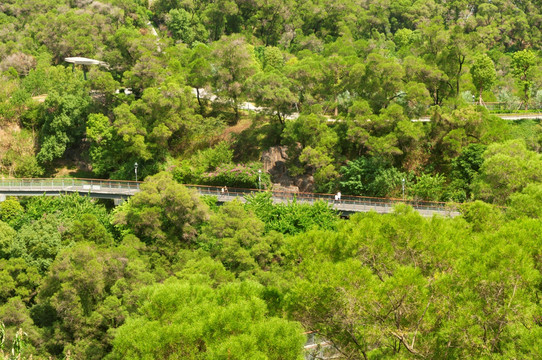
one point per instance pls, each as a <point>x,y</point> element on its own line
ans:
<point>275,163</point>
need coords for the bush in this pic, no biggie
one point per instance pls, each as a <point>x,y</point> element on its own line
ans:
<point>241,176</point>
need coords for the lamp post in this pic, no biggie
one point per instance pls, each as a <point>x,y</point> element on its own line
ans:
<point>403,189</point>
<point>259,179</point>
<point>135,169</point>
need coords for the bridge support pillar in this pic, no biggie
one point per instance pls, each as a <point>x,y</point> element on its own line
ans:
<point>118,202</point>
<point>2,197</point>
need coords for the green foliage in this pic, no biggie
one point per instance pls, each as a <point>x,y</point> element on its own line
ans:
<point>236,63</point>
<point>483,74</point>
<point>428,187</point>
<point>62,124</point>
<point>6,237</point>
<point>88,228</point>
<point>428,278</point>
<point>507,168</point>
<point>236,238</point>
<point>272,91</point>
<point>527,202</point>
<point>39,242</point>
<point>163,213</point>
<point>376,287</point>
<point>198,322</point>
<point>81,297</point>
<point>190,171</point>
<point>11,211</point>
<point>522,68</point>
<point>66,207</point>
<point>292,218</point>
<point>311,144</point>
<point>249,176</point>
<point>185,27</point>
<point>18,280</point>
<point>371,176</point>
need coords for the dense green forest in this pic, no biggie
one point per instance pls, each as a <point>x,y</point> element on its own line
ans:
<point>196,92</point>
<point>170,275</point>
<point>190,67</point>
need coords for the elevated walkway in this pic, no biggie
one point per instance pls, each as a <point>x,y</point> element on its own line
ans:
<point>120,190</point>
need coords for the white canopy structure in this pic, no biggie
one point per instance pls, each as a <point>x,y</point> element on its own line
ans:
<point>84,61</point>
<point>77,60</point>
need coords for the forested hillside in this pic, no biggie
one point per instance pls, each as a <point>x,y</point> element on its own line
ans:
<point>362,97</point>
<point>190,67</point>
<point>170,275</point>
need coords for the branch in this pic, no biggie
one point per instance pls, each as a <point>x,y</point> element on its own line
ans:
<point>410,349</point>
<point>419,322</point>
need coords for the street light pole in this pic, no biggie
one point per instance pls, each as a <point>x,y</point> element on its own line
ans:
<point>259,179</point>
<point>403,189</point>
<point>135,169</point>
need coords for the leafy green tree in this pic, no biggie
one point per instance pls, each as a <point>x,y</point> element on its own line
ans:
<point>310,144</point>
<point>382,81</point>
<point>429,187</point>
<point>88,228</point>
<point>483,74</point>
<point>527,202</point>
<point>371,176</point>
<point>199,68</point>
<point>292,218</point>
<point>466,168</point>
<point>230,321</point>
<point>18,280</point>
<point>105,146</point>
<point>523,64</point>
<point>62,125</point>
<point>235,63</point>
<point>272,91</point>
<point>273,59</point>
<point>164,213</point>
<point>6,237</point>
<point>86,293</point>
<point>11,211</point>
<point>67,207</point>
<point>179,24</point>
<point>507,168</point>
<point>306,75</point>
<point>236,238</point>
<point>39,242</point>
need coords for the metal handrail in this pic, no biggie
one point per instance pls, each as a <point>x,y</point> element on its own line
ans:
<point>86,185</point>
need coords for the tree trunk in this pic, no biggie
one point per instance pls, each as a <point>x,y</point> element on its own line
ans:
<point>199,100</point>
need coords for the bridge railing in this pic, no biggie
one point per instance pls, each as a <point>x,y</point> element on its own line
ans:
<point>66,184</point>
<point>346,201</point>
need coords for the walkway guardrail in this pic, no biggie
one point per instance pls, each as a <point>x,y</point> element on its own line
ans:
<point>123,189</point>
<point>346,203</point>
<point>56,183</point>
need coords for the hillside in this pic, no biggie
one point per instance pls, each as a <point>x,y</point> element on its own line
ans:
<point>305,95</point>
